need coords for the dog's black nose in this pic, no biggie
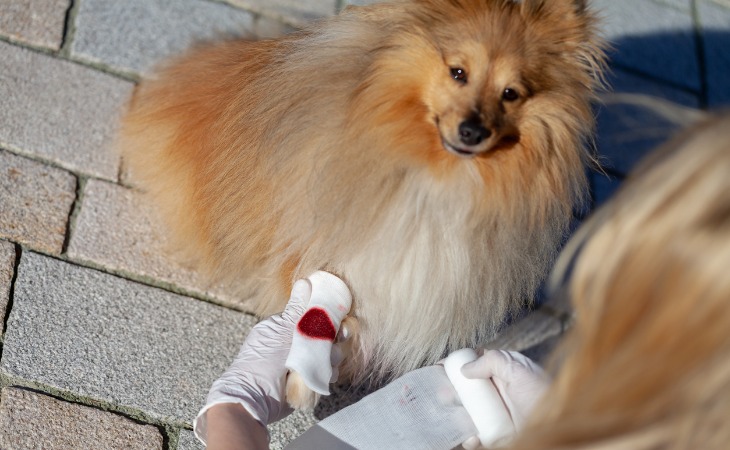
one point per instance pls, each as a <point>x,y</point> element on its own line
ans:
<point>472,132</point>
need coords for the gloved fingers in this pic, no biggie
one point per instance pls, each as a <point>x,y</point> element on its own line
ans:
<point>501,364</point>
<point>335,374</point>
<point>510,367</point>
<point>473,443</point>
<point>479,351</point>
<point>525,362</point>
<point>485,367</point>
<point>298,301</point>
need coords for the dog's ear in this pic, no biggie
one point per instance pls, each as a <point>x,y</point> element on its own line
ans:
<point>570,28</point>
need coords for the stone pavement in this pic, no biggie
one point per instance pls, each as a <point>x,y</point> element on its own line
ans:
<point>106,342</point>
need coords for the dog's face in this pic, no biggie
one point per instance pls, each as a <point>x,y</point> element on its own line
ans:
<point>484,62</point>
<point>475,97</point>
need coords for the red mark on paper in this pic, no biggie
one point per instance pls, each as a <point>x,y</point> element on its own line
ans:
<point>316,324</point>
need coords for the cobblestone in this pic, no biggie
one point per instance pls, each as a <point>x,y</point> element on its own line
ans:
<point>115,230</point>
<point>59,111</point>
<point>115,341</point>
<point>31,420</point>
<point>35,202</point>
<point>134,35</point>
<point>36,22</point>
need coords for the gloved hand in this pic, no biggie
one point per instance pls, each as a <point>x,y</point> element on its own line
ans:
<point>520,382</point>
<point>257,377</point>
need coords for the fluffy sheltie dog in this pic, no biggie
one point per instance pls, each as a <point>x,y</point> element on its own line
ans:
<point>430,152</point>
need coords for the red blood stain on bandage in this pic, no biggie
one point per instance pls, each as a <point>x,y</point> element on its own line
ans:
<point>316,324</point>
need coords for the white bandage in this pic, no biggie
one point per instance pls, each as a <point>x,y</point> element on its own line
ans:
<point>316,331</point>
<point>481,400</point>
<point>419,410</point>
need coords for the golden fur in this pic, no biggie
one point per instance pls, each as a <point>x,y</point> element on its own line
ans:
<point>323,149</point>
<point>647,365</point>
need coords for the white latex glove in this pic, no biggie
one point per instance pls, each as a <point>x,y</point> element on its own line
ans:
<point>520,382</point>
<point>257,377</point>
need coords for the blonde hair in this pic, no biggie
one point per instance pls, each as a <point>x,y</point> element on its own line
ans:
<point>647,364</point>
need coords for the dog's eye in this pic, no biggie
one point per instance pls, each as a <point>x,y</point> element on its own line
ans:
<point>510,95</point>
<point>458,74</point>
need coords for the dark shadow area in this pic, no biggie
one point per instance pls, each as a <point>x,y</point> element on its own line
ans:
<point>663,67</point>
<point>645,105</point>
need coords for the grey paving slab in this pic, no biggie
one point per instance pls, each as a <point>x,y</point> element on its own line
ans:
<point>7,267</point>
<point>295,12</point>
<point>29,420</point>
<point>133,35</point>
<point>36,22</point>
<point>60,111</point>
<point>35,202</point>
<point>628,127</point>
<point>652,37</point>
<point>715,24</point>
<point>116,229</point>
<point>111,340</point>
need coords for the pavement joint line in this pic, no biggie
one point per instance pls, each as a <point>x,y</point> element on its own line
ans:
<point>122,171</point>
<point>669,5</point>
<point>60,55</point>
<point>147,281</point>
<point>11,291</point>
<point>267,12</point>
<point>135,415</point>
<point>69,28</point>
<point>139,279</point>
<point>17,151</point>
<point>74,212</point>
<point>28,46</point>
<point>170,437</point>
<point>652,78</point>
<point>700,55</point>
<point>126,75</point>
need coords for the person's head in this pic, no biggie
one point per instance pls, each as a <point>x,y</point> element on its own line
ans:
<point>647,364</point>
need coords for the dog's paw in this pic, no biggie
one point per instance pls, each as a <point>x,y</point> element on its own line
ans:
<point>298,395</point>
<point>348,340</point>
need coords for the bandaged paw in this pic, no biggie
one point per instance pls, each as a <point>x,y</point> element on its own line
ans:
<point>311,349</point>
